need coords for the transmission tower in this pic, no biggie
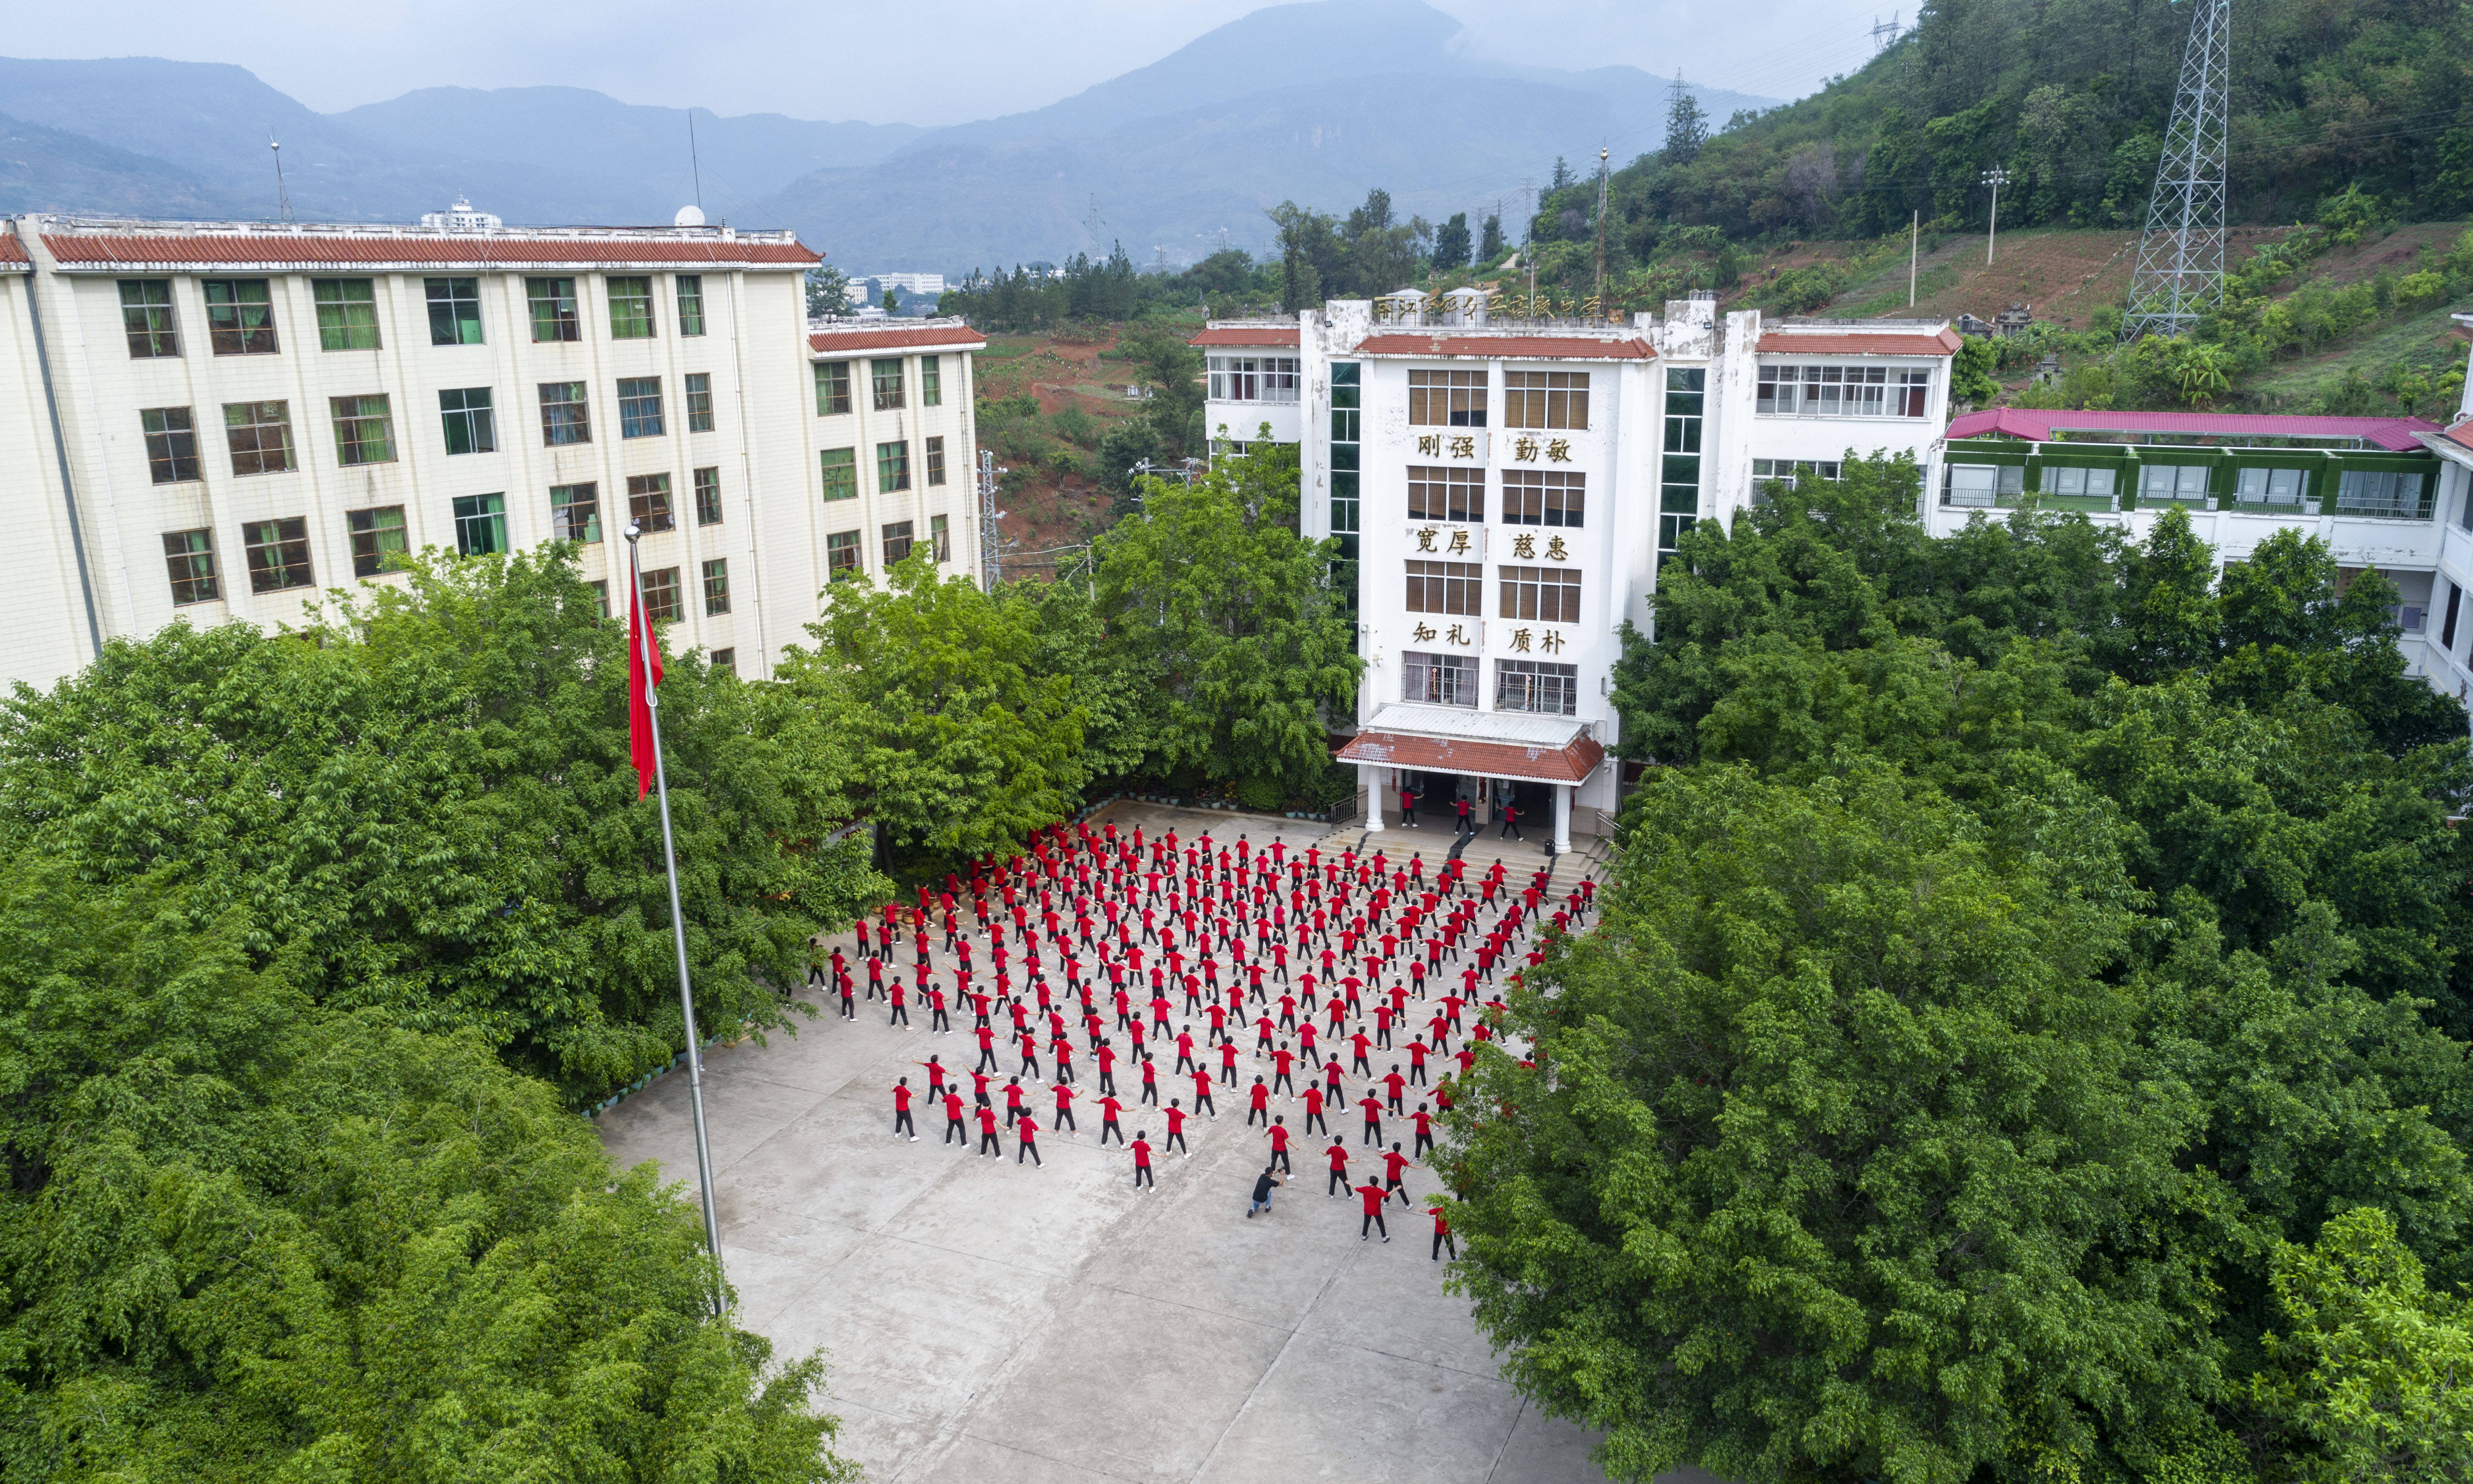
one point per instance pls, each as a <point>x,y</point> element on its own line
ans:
<point>991,537</point>
<point>2180,271</point>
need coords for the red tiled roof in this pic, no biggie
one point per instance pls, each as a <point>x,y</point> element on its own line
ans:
<point>2461,434</point>
<point>311,250</point>
<point>1515,347</point>
<point>954,337</point>
<point>10,251</point>
<point>1859,343</point>
<point>1247,335</point>
<point>1568,764</point>
<point>2395,434</point>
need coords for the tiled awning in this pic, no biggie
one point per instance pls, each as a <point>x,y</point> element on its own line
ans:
<point>1530,763</point>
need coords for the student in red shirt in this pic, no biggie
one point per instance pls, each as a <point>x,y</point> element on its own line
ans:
<point>1373,1195</point>
<point>1282,1061</point>
<point>1393,1162</point>
<point>989,1144</point>
<point>1027,1132</point>
<point>1202,1095</point>
<point>902,1111</point>
<point>1392,1084</point>
<point>1313,1108</point>
<point>1065,1109</point>
<point>1109,1108</point>
<point>1338,1181</point>
<point>1142,1148</point>
<point>1228,1062</point>
<point>1425,1128</point>
<point>1278,1135</point>
<point>1373,1107</point>
<point>1176,1129</point>
<point>1150,1079</point>
<point>1260,1105</point>
<point>954,1128</point>
<point>1442,1232</point>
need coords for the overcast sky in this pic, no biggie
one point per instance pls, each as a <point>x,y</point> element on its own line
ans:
<point>933,62</point>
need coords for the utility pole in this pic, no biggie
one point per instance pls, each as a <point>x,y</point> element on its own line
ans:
<point>1884,34</point>
<point>1995,177</point>
<point>1091,223</point>
<point>283,195</point>
<point>1914,247</point>
<point>2181,274</point>
<point>1602,231</point>
<point>991,547</point>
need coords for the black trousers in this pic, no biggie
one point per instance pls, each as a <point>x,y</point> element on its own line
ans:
<point>1150,1094</point>
<point>936,1021</point>
<point>956,1128</point>
<point>1374,1132</point>
<point>1142,1177</point>
<point>987,1060</point>
<point>1337,1184</point>
<point>989,1144</point>
<point>1064,1120</point>
<point>899,1014</point>
<point>1030,1149</point>
<point>1107,1126</point>
<point>901,1122</point>
<point>1280,1158</point>
<point>1443,1240</point>
<point>1284,1080</point>
<point>1314,1121</point>
<point>1176,1141</point>
<point>1263,1113</point>
<point>1374,1220</point>
<point>1425,1141</point>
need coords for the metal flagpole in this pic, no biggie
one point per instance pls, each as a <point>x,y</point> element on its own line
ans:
<point>678,918</point>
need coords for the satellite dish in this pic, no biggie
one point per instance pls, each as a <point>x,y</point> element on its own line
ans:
<point>688,216</point>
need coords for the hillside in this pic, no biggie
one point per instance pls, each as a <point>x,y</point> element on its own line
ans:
<point>52,170</point>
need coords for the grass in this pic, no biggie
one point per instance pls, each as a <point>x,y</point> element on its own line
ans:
<point>2425,339</point>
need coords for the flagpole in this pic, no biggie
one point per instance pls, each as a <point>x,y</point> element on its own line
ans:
<point>678,918</point>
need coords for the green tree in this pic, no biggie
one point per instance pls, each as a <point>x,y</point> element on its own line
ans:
<point>1230,625</point>
<point>1490,245</point>
<point>1452,244</point>
<point>1687,129</point>
<point>1833,1154</point>
<point>828,291</point>
<point>1171,373</point>
<point>1970,371</point>
<point>246,1238</point>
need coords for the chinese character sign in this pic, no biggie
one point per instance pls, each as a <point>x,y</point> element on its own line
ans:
<point>1424,633</point>
<point>1558,450</point>
<point>1524,546</point>
<point>1524,450</point>
<point>1431,444</point>
<point>1463,446</point>
<point>1556,551</point>
<point>1425,538</point>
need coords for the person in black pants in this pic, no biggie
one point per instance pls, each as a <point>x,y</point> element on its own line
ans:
<point>1511,823</point>
<point>1407,807</point>
<point>1464,811</point>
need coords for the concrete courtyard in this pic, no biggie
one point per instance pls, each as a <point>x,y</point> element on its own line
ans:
<point>1052,1326</point>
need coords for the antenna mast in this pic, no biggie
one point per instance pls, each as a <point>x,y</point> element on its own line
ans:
<point>283,195</point>
<point>2181,274</point>
<point>1602,231</point>
<point>693,163</point>
<point>991,551</point>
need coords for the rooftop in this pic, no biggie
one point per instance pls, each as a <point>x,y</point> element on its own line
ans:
<point>951,333</point>
<point>1859,337</point>
<point>2397,435</point>
<point>1527,344</point>
<point>1247,332</point>
<point>108,244</point>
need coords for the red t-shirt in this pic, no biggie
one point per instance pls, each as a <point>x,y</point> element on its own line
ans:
<point>1393,1162</point>
<point>1262,1096</point>
<point>986,1120</point>
<point>1373,1107</point>
<point>1373,1195</point>
<point>1339,1157</point>
<point>900,1098</point>
<point>953,1106</point>
<point>1143,1154</point>
<point>1176,1120</point>
<point>1313,1100</point>
<point>1279,1136</point>
<point>1442,1223</point>
<point>1109,1108</point>
<point>1393,1081</point>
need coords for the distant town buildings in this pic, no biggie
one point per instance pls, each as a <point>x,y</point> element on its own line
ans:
<point>208,420</point>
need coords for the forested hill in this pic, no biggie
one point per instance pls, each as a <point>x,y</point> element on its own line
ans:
<point>2073,98</point>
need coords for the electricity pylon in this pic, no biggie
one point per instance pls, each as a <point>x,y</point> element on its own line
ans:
<point>2180,271</point>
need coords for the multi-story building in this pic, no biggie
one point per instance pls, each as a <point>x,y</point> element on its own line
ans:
<point>209,420</point>
<point>893,440</point>
<point>1509,490</point>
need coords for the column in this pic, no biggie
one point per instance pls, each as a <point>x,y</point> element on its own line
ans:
<point>1371,778</point>
<point>1563,792</point>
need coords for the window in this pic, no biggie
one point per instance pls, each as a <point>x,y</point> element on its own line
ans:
<point>884,380</point>
<point>932,381</point>
<point>2173,482</point>
<point>897,542</point>
<point>553,307</point>
<point>1544,497</point>
<point>891,467</point>
<point>146,314</point>
<point>472,425</point>
<point>1678,495</point>
<point>2090,483</point>
<point>480,524</point>
<point>348,313</point>
<point>2381,492</point>
<point>648,501</point>
<point>707,495</point>
<point>1907,390</point>
<point>278,554</point>
<point>631,306</point>
<point>565,418</point>
<point>2447,624</point>
<point>1824,391</point>
<point>454,311</point>
<point>690,304</point>
<point>191,556</point>
<point>240,316</point>
<point>639,407</point>
<point>661,595</point>
<point>725,660</point>
<point>699,388</point>
<point>841,473</point>
<point>379,540</point>
<point>363,429</point>
<point>1345,429</point>
<point>260,437</point>
<point>1536,685</point>
<point>1546,399</point>
<point>1446,587</point>
<point>2280,486</point>
<point>1438,679</point>
<point>716,586</point>
<point>1546,594</point>
<point>1446,493</point>
<point>841,555</point>
<point>601,595</point>
<point>171,444</point>
<point>832,388</point>
<point>940,533</point>
<point>936,461</point>
<point>1797,468</point>
<point>575,514</point>
<point>1447,398</point>
<point>1254,378</point>
<point>1983,485</point>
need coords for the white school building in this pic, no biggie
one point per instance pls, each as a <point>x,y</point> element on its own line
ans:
<point>217,420</point>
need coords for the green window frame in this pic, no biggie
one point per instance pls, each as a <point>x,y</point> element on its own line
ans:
<point>566,414</point>
<point>832,388</point>
<point>240,316</point>
<point>841,556</point>
<point>554,314</point>
<point>932,381</point>
<point>470,421</point>
<point>690,304</point>
<point>716,586</point>
<point>575,514</point>
<point>841,473</point>
<point>648,502</point>
<point>380,541</point>
<point>639,407</point>
<point>189,556</point>
<point>480,524</point>
<point>1346,430</point>
<point>631,306</point>
<point>1679,475</point>
<point>707,495</point>
<point>278,554</point>
<point>454,310</point>
<point>171,444</point>
<point>363,429</point>
<point>699,393</point>
<point>892,466</point>
<point>348,313</point>
<point>146,315</point>
<point>936,460</point>
<point>661,595</point>
<point>884,383</point>
<point>259,436</point>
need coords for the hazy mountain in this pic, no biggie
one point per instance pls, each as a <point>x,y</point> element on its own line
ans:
<point>53,170</point>
<point>1315,103</point>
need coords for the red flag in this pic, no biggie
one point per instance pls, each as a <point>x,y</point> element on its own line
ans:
<point>641,649</point>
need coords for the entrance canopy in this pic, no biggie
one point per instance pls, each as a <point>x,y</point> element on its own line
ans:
<point>1514,745</point>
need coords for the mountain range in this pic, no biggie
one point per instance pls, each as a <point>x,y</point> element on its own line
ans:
<point>1315,103</point>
